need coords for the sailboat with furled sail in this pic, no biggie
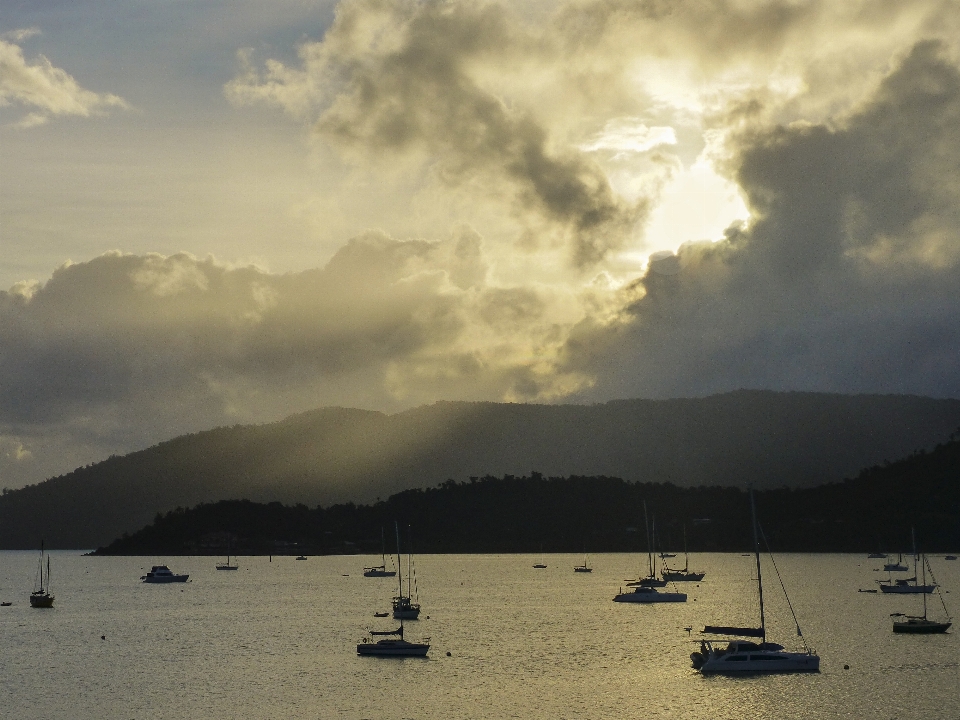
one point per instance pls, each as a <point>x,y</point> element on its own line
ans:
<point>746,656</point>
<point>921,624</point>
<point>404,608</point>
<point>685,574</point>
<point>41,597</point>
<point>381,569</point>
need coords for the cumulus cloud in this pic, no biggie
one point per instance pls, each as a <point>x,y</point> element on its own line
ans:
<point>146,347</point>
<point>846,278</point>
<point>399,77</point>
<point>46,90</point>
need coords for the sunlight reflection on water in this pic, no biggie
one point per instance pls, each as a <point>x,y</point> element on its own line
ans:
<point>277,640</point>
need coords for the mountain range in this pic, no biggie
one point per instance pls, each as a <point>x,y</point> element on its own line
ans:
<point>339,455</point>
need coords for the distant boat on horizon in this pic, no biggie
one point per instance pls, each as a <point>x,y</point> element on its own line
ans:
<point>897,566</point>
<point>907,585</point>
<point>381,569</point>
<point>540,565</point>
<point>684,575</point>
<point>226,565</point>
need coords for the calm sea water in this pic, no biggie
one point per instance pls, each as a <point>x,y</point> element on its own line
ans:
<point>278,640</point>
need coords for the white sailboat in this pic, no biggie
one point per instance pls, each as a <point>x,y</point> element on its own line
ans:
<point>651,579</point>
<point>403,606</point>
<point>583,568</point>
<point>645,589</point>
<point>921,624</point>
<point>381,569</point>
<point>41,597</point>
<point>909,585</point>
<point>745,656</point>
<point>227,565</point>
<point>897,566</point>
<point>686,574</point>
<point>540,565</point>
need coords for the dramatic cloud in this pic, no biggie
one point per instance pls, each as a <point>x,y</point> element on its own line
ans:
<point>580,200</point>
<point>147,347</point>
<point>48,90</point>
<point>404,76</point>
<point>846,278</point>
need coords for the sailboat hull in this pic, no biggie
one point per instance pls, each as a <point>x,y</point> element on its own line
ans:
<point>373,572</point>
<point>393,648</point>
<point>908,589</point>
<point>680,576</point>
<point>41,600</point>
<point>653,596</point>
<point>920,626</point>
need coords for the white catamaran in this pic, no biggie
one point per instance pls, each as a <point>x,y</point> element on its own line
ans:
<point>746,656</point>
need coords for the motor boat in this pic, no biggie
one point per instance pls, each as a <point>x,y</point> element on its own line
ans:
<point>162,574</point>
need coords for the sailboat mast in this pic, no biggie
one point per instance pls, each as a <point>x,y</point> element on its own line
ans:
<point>396,527</point>
<point>923,567</point>
<point>646,528</point>
<point>756,551</point>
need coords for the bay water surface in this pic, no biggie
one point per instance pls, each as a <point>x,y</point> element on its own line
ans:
<point>277,639</point>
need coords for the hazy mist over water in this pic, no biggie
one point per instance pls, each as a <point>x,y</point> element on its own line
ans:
<point>277,640</point>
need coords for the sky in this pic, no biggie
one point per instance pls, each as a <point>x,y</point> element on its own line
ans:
<point>219,212</point>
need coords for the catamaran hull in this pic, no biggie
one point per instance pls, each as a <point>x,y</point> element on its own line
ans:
<point>41,601</point>
<point>739,664</point>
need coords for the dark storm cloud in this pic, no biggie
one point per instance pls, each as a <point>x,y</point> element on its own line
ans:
<point>847,277</point>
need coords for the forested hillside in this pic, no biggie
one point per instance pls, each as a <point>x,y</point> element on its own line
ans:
<point>337,455</point>
<point>878,509</point>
